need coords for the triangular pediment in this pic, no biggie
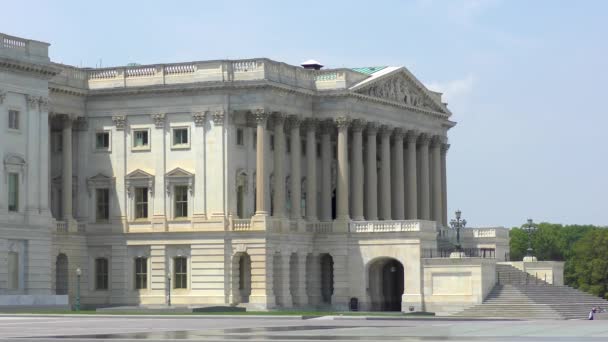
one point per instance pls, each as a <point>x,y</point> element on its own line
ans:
<point>100,178</point>
<point>398,85</point>
<point>14,159</point>
<point>138,174</point>
<point>178,172</point>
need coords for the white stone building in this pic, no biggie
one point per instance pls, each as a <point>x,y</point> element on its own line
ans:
<point>248,182</point>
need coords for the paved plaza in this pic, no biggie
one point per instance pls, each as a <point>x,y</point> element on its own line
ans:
<point>201,328</point>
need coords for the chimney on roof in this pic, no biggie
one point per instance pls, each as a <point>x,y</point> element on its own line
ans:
<point>311,64</point>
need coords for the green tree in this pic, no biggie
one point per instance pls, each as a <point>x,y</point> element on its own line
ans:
<point>589,260</point>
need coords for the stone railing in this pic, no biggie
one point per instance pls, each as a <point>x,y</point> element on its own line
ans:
<point>16,47</point>
<point>240,225</point>
<point>319,227</point>
<point>481,233</point>
<point>207,71</point>
<point>391,226</point>
<point>62,226</point>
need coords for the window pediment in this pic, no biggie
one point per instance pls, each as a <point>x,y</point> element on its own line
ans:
<point>179,176</point>
<point>139,178</point>
<point>14,163</point>
<point>99,181</point>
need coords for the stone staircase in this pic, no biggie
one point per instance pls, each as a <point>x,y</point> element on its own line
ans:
<point>520,296</point>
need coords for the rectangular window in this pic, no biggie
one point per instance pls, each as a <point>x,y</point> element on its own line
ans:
<point>102,141</point>
<point>180,136</point>
<point>303,147</point>
<point>13,119</point>
<point>102,197</point>
<point>240,140</point>
<point>101,274</point>
<point>13,192</point>
<point>181,201</point>
<point>140,139</point>
<point>141,203</point>
<point>180,273</point>
<point>141,273</point>
<point>13,271</point>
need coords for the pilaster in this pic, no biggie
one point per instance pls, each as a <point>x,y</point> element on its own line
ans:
<point>158,140</point>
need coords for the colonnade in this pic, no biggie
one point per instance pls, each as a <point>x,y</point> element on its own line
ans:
<point>406,181</point>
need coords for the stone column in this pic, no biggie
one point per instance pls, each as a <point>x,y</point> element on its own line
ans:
<point>45,158</point>
<point>397,176</point>
<point>357,169</point>
<point>279,166</point>
<point>424,184</point>
<point>444,185</point>
<point>437,180</point>
<point>371,174</point>
<point>296,173</point>
<point>260,169</point>
<point>30,121</point>
<point>326,158</point>
<point>342,188</point>
<point>311,171</point>
<point>412,183</point>
<point>385,171</point>
<point>67,170</point>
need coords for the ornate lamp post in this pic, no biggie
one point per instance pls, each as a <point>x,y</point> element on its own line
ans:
<point>169,289</point>
<point>78,274</point>
<point>458,224</point>
<point>530,228</point>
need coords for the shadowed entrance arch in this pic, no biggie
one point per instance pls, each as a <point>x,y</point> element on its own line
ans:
<point>386,284</point>
<point>61,274</point>
<point>242,278</point>
<point>327,278</point>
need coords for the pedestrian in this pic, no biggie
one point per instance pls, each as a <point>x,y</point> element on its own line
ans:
<point>592,314</point>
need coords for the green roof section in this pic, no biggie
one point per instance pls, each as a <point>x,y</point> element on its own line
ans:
<point>369,70</point>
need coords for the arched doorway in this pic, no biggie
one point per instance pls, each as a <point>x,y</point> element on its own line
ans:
<point>386,284</point>
<point>327,278</point>
<point>61,274</point>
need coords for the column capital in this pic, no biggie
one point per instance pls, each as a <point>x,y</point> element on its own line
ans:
<point>81,124</point>
<point>278,118</point>
<point>261,116</point>
<point>438,140</point>
<point>412,135</point>
<point>159,120</point>
<point>372,128</point>
<point>44,103</point>
<point>445,148</point>
<point>310,124</point>
<point>343,122</point>
<point>399,133</point>
<point>199,118</point>
<point>326,126</point>
<point>32,101</point>
<point>386,130</point>
<point>424,139</point>
<point>218,117</point>
<point>119,121</point>
<point>358,125</point>
<point>293,121</point>
<point>66,120</point>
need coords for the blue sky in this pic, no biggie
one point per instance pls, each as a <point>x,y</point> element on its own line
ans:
<point>526,80</point>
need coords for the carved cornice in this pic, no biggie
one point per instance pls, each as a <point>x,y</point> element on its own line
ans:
<point>343,122</point>
<point>119,121</point>
<point>218,117</point>
<point>159,120</point>
<point>199,118</point>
